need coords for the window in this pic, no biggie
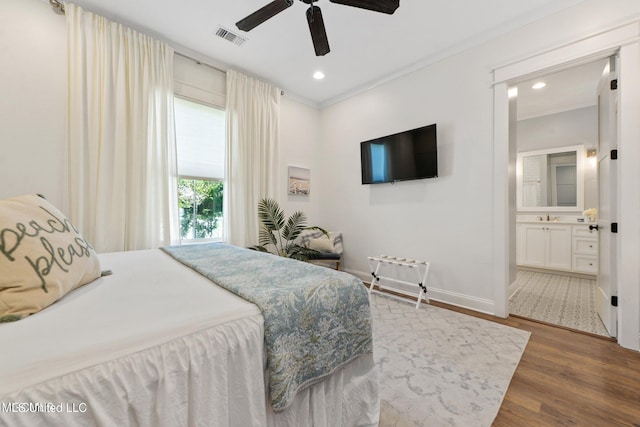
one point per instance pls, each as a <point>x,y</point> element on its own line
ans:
<point>200,137</point>
<point>200,203</point>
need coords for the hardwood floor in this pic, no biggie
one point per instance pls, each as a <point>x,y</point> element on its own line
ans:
<point>566,378</point>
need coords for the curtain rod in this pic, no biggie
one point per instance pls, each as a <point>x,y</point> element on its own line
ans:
<point>197,61</point>
<point>57,6</point>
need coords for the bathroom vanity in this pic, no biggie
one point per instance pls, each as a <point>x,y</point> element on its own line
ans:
<point>565,246</point>
<point>550,200</point>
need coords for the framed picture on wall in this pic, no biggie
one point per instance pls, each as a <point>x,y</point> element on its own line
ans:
<point>299,181</point>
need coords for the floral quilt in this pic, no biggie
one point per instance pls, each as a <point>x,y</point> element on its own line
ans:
<point>316,319</point>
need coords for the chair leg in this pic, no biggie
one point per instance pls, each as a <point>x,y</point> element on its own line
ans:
<point>338,265</point>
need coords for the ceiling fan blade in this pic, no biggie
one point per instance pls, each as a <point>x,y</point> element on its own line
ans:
<point>262,14</point>
<point>383,6</point>
<point>318,32</point>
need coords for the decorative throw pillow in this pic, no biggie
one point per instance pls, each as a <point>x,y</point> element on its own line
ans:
<point>42,257</point>
<point>323,244</point>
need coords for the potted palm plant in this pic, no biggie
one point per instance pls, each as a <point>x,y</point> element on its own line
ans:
<point>278,235</point>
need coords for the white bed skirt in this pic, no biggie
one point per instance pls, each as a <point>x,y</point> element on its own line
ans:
<point>347,398</point>
<point>156,387</point>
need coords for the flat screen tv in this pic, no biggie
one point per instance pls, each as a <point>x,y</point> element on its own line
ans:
<point>403,156</point>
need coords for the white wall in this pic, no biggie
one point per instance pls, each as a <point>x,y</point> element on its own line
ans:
<point>447,220</point>
<point>574,127</point>
<point>32,101</point>
<point>299,140</point>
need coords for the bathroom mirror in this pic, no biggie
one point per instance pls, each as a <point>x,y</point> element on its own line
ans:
<point>551,180</point>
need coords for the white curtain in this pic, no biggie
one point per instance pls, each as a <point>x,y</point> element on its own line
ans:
<point>122,153</point>
<point>253,110</point>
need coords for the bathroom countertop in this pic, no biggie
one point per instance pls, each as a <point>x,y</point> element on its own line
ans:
<point>533,221</point>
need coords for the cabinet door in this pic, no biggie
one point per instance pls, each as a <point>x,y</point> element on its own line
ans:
<point>559,247</point>
<point>534,242</point>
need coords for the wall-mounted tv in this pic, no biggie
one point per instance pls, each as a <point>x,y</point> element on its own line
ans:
<point>403,156</point>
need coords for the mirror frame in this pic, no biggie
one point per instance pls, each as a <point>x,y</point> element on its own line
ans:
<point>580,162</point>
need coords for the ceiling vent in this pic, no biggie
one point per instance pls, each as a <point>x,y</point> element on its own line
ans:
<point>230,36</point>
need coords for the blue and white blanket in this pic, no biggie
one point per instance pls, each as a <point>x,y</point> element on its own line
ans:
<point>316,319</point>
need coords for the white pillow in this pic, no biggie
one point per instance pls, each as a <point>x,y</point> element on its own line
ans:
<point>42,257</point>
<point>323,244</point>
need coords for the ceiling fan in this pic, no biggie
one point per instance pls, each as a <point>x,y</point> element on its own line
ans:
<point>314,17</point>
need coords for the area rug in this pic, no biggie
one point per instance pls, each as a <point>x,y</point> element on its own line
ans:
<point>561,300</point>
<point>438,367</point>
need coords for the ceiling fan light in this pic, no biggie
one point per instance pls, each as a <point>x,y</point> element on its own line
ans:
<point>318,75</point>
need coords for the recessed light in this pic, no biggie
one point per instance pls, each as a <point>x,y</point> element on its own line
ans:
<point>318,75</point>
<point>538,85</point>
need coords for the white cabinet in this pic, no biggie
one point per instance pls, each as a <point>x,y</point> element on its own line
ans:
<point>544,245</point>
<point>559,247</point>
<point>566,247</point>
<point>585,250</point>
<point>531,245</point>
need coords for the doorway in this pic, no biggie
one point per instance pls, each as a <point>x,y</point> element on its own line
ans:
<point>556,124</point>
<point>623,39</point>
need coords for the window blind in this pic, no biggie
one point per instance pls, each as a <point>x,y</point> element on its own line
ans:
<point>199,82</point>
<point>200,137</point>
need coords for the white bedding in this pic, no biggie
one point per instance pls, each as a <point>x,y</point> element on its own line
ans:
<point>156,344</point>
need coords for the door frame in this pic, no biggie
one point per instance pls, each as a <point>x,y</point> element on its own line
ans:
<point>623,40</point>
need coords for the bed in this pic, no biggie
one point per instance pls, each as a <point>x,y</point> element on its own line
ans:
<point>156,343</point>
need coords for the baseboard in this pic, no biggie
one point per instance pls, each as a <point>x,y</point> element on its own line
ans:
<point>452,298</point>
